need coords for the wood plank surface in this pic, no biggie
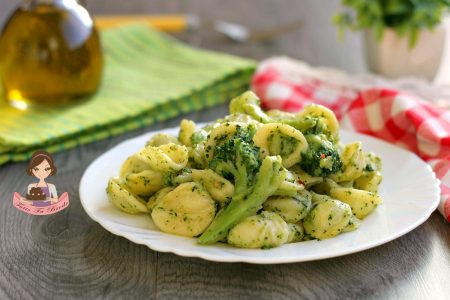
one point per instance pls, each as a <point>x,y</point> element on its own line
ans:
<point>68,256</point>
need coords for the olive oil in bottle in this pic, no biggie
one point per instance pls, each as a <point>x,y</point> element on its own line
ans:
<point>50,53</point>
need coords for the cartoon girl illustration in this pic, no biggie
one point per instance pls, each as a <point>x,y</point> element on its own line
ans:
<point>41,193</point>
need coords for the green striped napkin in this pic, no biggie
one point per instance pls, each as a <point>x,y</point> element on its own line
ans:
<point>148,77</point>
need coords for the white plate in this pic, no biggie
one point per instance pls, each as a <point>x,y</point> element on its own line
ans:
<point>409,189</point>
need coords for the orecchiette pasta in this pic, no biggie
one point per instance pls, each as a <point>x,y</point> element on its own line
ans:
<point>218,187</point>
<point>266,230</point>
<point>373,162</point>
<point>187,210</point>
<point>325,115</point>
<point>177,178</point>
<point>144,183</point>
<point>187,129</point>
<point>291,209</point>
<point>197,157</point>
<point>353,224</point>
<point>220,133</point>
<point>354,163</point>
<point>252,179</point>
<point>153,200</point>
<point>165,157</point>
<point>327,219</point>
<point>162,139</point>
<point>361,202</point>
<point>296,233</point>
<point>368,181</point>
<point>134,164</point>
<point>304,178</point>
<point>281,139</point>
<point>290,186</point>
<point>281,116</point>
<point>239,118</point>
<point>123,199</point>
<point>316,198</point>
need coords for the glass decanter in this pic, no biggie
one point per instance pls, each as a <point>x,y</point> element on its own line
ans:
<point>50,53</point>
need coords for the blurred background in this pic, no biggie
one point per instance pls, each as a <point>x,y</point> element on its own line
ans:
<point>403,40</point>
<point>314,42</point>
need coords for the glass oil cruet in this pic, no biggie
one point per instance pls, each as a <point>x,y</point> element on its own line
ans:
<point>50,53</point>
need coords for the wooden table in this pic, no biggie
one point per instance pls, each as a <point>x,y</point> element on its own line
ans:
<point>67,255</point>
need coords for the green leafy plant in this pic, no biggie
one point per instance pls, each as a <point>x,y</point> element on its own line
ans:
<point>403,16</point>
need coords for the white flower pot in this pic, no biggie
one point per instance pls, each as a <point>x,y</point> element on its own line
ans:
<point>392,56</point>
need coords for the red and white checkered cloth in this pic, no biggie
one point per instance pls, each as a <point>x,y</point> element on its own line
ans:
<point>394,116</point>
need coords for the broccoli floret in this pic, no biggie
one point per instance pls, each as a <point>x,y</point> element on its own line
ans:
<point>255,179</point>
<point>321,158</point>
<point>237,157</point>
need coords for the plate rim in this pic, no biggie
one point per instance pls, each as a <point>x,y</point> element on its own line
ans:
<point>255,260</point>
